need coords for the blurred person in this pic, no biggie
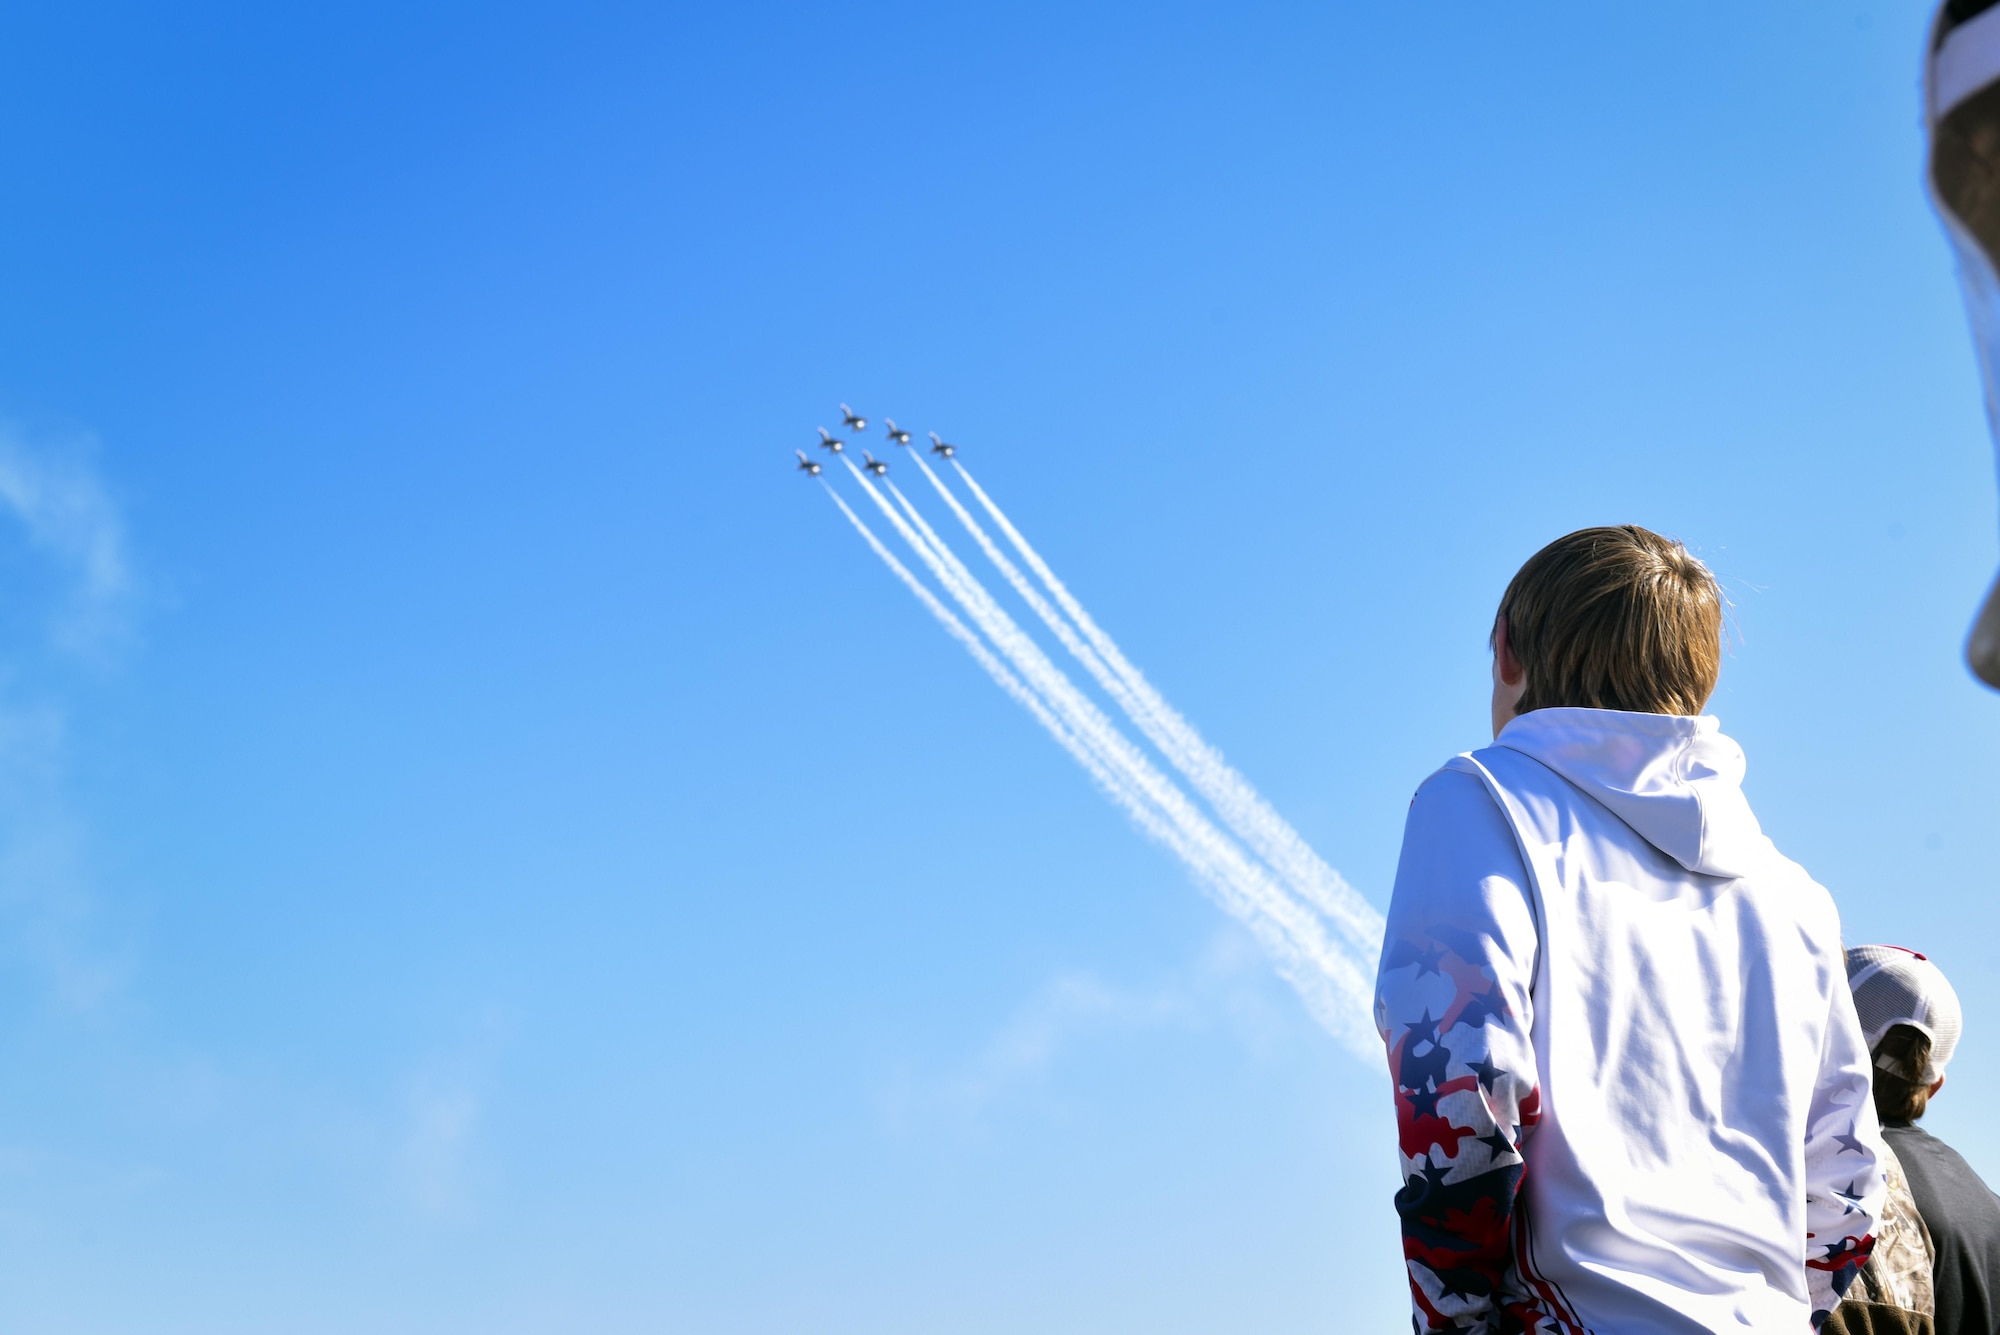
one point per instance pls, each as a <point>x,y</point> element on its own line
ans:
<point>1962,113</point>
<point>1632,1094</point>
<point>1910,1016</point>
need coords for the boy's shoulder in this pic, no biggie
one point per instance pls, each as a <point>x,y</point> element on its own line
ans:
<point>1452,777</point>
<point>1453,795</point>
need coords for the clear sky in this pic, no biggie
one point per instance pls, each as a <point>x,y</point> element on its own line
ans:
<point>483,847</point>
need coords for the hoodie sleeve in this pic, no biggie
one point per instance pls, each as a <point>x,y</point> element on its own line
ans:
<point>1845,1187</point>
<point>1452,1003</point>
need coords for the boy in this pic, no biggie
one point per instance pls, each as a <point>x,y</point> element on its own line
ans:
<point>1631,1090</point>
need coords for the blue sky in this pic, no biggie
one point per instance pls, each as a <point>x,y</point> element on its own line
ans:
<point>482,846</point>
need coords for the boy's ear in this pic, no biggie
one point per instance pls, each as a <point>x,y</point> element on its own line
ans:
<point>1503,654</point>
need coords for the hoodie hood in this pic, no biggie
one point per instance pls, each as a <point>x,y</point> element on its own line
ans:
<point>1677,781</point>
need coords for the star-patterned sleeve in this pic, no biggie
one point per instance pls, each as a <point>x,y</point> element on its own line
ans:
<point>1846,1191</point>
<point>1452,1002</point>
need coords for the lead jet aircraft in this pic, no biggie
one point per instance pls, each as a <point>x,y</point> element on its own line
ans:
<point>807,466</point>
<point>874,465</point>
<point>829,440</point>
<point>939,447</point>
<point>850,421</point>
<point>896,433</point>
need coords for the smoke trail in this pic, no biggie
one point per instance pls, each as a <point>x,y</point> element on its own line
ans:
<point>1241,807</point>
<point>1006,680</point>
<point>1253,892</point>
<point>1334,1012</point>
<point>1301,948</point>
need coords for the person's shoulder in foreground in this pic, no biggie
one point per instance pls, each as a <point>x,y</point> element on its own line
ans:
<point>1632,1095</point>
<point>1911,1021</point>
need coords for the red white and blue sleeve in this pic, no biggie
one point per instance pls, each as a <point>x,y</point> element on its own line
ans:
<point>1846,1191</point>
<point>1452,1002</point>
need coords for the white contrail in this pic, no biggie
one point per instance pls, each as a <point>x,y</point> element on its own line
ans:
<point>1254,891</point>
<point>1091,724</point>
<point>1334,1012</point>
<point>1007,681</point>
<point>1241,807</point>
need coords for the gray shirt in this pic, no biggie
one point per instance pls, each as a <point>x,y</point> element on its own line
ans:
<point>1963,1216</point>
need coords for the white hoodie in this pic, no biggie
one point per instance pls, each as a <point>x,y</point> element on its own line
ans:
<point>1631,1090</point>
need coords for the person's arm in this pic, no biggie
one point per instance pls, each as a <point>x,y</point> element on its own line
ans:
<point>1845,1187</point>
<point>1452,1002</point>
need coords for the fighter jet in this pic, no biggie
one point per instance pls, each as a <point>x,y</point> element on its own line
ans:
<point>939,447</point>
<point>850,421</point>
<point>896,433</point>
<point>807,466</point>
<point>830,441</point>
<point>874,465</point>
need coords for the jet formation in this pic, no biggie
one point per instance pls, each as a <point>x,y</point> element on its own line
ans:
<point>853,421</point>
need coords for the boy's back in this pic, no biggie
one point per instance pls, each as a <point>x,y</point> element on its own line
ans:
<point>1632,1093</point>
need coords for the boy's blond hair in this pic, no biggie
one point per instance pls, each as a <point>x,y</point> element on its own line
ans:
<point>1615,618</point>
